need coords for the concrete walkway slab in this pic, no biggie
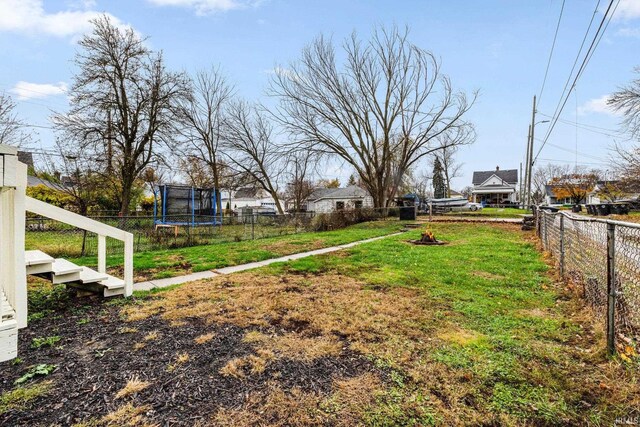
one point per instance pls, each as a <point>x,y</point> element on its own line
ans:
<point>163,283</point>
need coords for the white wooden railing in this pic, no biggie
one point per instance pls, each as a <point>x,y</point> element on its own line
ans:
<point>13,206</point>
<point>13,280</point>
<point>101,229</point>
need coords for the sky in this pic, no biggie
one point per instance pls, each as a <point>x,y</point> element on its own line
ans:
<point>498,47</point>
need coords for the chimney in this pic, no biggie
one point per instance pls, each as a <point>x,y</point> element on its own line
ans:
<point>497,168</point>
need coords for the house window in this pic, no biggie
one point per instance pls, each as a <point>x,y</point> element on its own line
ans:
<point>339,206</point>
<point>358,204</point>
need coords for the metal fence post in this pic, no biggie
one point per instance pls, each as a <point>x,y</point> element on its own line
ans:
<point>546,232</point>
<point>562,246</point>
<point>611,288</point>
<point>253,226</point>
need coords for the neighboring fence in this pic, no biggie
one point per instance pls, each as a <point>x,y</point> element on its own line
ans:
<point>604,257</point>
<point>61,240</point>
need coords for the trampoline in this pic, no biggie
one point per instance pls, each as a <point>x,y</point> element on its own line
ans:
<point>182,205</point>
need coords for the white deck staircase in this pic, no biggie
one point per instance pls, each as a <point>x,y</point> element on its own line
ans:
<point>61,271</point>
<point>16,263</point>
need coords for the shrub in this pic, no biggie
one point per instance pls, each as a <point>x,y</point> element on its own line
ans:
<point>343,218</point>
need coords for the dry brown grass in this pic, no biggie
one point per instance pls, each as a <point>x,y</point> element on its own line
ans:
<point>151,336</point>
<point>346,405</point>
<point>204,338</point>
<point>284,247</point>
<point>127,416</point>
<point>181,359</point>
<point>390,323</point>
<point>254,363</point>
<point>296,346</point>
<point>275,408</point>
<point>457,335</point>
<point>133,386</point>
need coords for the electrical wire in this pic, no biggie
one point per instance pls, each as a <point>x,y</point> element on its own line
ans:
<point>597,37</point>
<point>553,45</point>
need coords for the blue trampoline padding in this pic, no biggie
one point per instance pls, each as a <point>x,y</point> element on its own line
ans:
<point>189,223</point>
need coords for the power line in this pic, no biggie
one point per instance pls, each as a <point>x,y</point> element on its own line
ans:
<point>586,126</point>
<point>580,163</point>
<point>585,61</point>
<point>553,45</point>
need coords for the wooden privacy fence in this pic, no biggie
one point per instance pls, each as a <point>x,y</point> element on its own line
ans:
<point>604,257</point>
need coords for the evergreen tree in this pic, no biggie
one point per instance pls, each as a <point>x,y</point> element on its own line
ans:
<point>439,188</point>
<point>352,180</point>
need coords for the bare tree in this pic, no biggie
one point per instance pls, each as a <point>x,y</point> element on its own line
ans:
<point>76,177</point>
<point>542,176</point>
<point>300,167</point>
<point>201,116</point>
<point>11,127</point>
<point>627,102</point>
<point>122,103</point>
<point>250,147</point>
<point>387,103</point>
<point>450,143</point>
<point>626,159</point>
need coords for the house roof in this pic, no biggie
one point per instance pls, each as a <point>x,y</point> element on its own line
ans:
<point>34,181</point>
<point>509,176</point>
<point>247,193</point>
<point>351,192</point>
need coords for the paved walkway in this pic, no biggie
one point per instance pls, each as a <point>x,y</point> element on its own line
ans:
<point>162,283</point>
<point>437,218</point>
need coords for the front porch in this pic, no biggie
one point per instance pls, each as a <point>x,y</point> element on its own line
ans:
<point>494,197</point>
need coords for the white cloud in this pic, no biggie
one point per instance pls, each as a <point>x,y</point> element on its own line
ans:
<point>25,90</point>
<point>204,7</point>
<point>597,105</point>
<point>629,32</point>
<point>29,16</point>
<point>628,9</point>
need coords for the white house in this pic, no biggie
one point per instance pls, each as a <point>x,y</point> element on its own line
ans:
<point>495,187</point>
<point>324,200</point>
<point>249,197</point>
<point>550,197</point>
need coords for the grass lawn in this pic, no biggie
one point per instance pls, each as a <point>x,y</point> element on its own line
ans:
<point>492,213</point>
<point>172,262</point>
<point>475,332</point>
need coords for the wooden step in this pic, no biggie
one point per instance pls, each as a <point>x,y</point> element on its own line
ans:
<point>37,262</point>
<point>64,271</point>
<point>113,286</point>
<point>37,257</point>
<point>109,287</point>
<point>88,275</point>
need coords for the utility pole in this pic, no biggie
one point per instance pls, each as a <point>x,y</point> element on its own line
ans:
<point>526,170</point>
<point>531,138</point>
<point>521,179</point>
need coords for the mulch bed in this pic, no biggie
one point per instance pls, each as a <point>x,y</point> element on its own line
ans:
<point>95,358</point>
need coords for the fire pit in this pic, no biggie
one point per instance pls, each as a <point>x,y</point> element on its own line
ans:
<point>427,238</point>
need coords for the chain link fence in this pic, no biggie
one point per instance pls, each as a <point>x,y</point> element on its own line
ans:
<point>61,240</point>
<point>603,257</point>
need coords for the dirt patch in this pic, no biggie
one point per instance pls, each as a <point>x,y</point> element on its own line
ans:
<point>329,306</point>
<point>177,377</point>
<point>283,247</point>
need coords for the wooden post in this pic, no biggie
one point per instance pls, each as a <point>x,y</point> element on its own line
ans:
<point>562,246</point>
<point>128,264</point>
<point>102,253</point>
<point>611,289</point>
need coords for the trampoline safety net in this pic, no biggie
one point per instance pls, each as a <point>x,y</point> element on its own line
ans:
<point>184,205</point>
